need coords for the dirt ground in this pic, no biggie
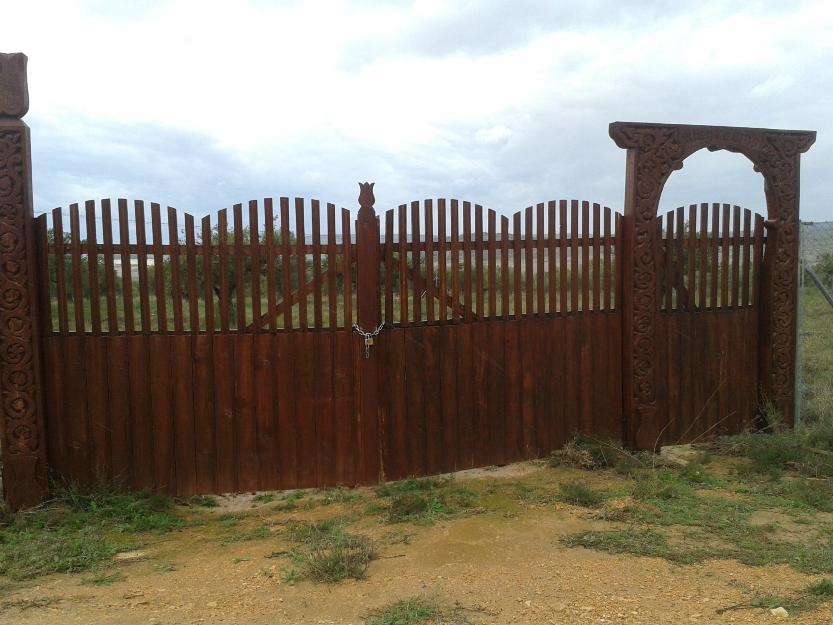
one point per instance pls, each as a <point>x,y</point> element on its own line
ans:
<point>504,564</point>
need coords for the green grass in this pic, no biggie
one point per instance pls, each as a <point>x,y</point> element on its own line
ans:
<point>810,598</point>
<point>579,494</point>
<point>80,529</point>
<point>325,552</point>
<point>633,541</point>
<point>416,611</point>
<point>815,357</point>
<point>425,500</point>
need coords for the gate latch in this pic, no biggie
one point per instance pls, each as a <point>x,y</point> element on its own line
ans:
<point>368,336</point>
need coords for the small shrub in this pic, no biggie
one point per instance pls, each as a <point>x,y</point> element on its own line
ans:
<point>326,553</point>
<point>263,498</point>
<point>586,452</point>
<point>424,500</point>
<point>414,611</point>
<point>579,494</point>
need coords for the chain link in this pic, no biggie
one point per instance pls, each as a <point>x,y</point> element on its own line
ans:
<point>368,336</point>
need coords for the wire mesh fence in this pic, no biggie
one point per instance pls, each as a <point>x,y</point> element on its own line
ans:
<point>816,322</point>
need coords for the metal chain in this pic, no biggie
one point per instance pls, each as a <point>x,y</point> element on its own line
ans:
<point>368,336</point>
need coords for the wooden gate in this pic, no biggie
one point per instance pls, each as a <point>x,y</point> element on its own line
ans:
<point>231,356</point>
<point>282,345</point>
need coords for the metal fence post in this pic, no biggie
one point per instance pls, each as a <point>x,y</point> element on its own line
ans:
<point>22,430</point>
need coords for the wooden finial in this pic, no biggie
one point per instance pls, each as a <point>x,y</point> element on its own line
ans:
<point>14,93</point>
<point>366,198</point>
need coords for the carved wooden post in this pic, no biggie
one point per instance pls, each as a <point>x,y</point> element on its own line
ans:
<point>22,426</point>
<point>368,304</point>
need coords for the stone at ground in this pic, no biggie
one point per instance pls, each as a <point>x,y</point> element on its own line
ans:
<point>779,612</point>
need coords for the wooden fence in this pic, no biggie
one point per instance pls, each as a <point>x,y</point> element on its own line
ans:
<point>286,344</point>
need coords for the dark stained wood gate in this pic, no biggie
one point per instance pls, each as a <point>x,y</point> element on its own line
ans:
<point>282,345</point>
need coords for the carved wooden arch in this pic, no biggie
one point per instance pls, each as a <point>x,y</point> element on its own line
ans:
<point>654,152</point>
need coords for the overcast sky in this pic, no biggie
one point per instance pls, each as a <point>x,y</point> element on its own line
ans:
<point>201,104</point>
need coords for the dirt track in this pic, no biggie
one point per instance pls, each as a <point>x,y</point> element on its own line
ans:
<point>505,565</point>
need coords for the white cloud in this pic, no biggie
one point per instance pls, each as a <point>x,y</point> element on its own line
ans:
<point>417,93</point>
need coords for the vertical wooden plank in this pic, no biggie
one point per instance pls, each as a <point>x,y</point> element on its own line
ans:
<point>345,440</point>
<point>504,267</point>
<point>77,284</point>
<point>724,259</point>
<point>317,306</point>
<point>492,263</point>
<point>691,253</point>
<point>142,266</point>
<point>540,303</point>
<point>183,417</point>
<point>575,275</point>
<point>160,410</point>
<point>512,413</point>
<point>429,260</point>
<point>432,385</point>
<point>478,261</point>
<point>608,270</point>
<point>325,431</point>
<point>142,420</point>
<point>247,460</point>
<point>286,265</point>
<point>332,294</point>
<point>43,277</point>
<point>757,259</point>
<point>225,418</point>
<point>551,259</point>
<point>348,269</point>
<point>208,273</point>
<point>714,238</point>
<point>271,241</point>
<point>681,302</point>
<point>619,265</point>
<point>441,260</point>
<point>703,253</point>
<point>670,250</point>
<point>301,256</point>
<point>109,267</point>
<point>517,265</point>
<point>205,425</point>
<point>747,248</point>
<point>191,275</point>
<point>92,268</point>
<point>60,272</point>
<point>254,273</point>
<point>415,416</point>
<point>585,256</point>
<point>176,279</point>
<point>455,261</point>
<point>735,255</point>
<point>287,425</point>
<point>126,266</point>
<point>118,408</point>
<point>158,268</point>
<point>465,389</point>
<point>239,270</point>
<point>416,263</point>
<point>529,263</point>
<point>396,452</point>
<point>448,382</point>
<point>596,234</point>
<point>305,411</point>
<point>563,284</point>
<point>390,269</point>
<point>404,312</point>
<point>467,283</point>
<point>223,265</point>
<point>95,360</point>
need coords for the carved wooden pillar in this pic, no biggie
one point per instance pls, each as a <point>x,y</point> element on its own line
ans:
<point>654,152</point>
<point>22,426</point>
<point>368,315</point>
